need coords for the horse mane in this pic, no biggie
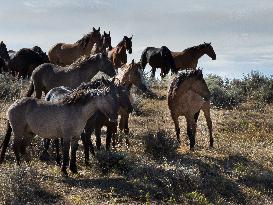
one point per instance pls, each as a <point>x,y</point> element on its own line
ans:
<point>120,43</point>
<point>85,39</point>
<point>181,77</point>
<point>81,95</point>
<point>194,48</point>
<point>82,61</point>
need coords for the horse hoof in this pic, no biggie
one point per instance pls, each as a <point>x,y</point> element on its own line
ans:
<point>44,156</point>
<point>64,173</point>
<point>73,169</point>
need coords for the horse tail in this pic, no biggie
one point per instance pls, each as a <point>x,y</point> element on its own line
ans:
<point>143,60</point>
<point>30,90</point>
<point>5,143</point>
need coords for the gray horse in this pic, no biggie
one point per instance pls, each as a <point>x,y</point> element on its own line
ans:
<point>65,119</point>
<point>48,76</point>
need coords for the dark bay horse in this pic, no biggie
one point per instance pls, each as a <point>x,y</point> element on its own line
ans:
<point>65,54</point>
<point>118,54</point>
<point>188,59</point>
<point>103,44</point>
<point>158,58</point>
<point>188,94</point>
<point>26,60</point>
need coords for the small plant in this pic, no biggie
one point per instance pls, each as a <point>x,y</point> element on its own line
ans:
<point>160,145</point>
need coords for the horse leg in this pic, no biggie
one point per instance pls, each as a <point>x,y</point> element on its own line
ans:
<point>206,110</point>
<point>25,142</point>
<point>153,72</point>
<point>66,146</point>
<point>39,93</point>
<point>5,143</point>
<point>17,148</point>
<point>196,115</point>
<point>126,130</point>
<point>177,129</point>
<point>98,138</point>
<point>74,148</point>
<point>191,127</point>
<point>108,137</point>
<point>89,132</point>
<point>45,156</point>
<point>57,147</point>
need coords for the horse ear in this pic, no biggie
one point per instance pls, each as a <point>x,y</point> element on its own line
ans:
<point>98,29</point>
<point>109,32</point>
<point>94,29</point>
<point>131,37</point>
<point>209,43</point>
<point>133,61</point>
<point>104,33</point>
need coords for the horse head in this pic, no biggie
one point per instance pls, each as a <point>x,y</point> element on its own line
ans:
<point>128,43</point>
<point>106,65</point>
<point>106,40</point>
<point>209,50</point>
<point>136,76</point>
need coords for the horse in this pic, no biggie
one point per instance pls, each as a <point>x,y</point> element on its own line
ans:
<point>48,76</point>
<point>158,58</point>
<point>187,95</point>
<point>132,74</point>
<point>97,120</point>
<point>65,119</point>
<point>26,60</point>
<point>4,52</point>
<point>3,65</point>
<point>65,54</point>
<point>118,54</point>
<point>103,44</point>
<point>188,59</point>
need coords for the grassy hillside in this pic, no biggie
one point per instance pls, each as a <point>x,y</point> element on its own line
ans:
<point>239,170</point>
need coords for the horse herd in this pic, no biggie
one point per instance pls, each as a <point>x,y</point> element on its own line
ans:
<point>74,106</point>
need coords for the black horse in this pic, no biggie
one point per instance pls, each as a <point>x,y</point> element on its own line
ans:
<point>26,60</point>
<point>95,122</point>
<point>158,58</point>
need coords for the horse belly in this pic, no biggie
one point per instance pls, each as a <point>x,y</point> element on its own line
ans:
<point>156,61</point>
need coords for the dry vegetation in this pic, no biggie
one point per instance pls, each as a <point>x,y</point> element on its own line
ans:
<point>239,170</point>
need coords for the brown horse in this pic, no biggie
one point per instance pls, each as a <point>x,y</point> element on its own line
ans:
<point>48,76</point>
<point>103,44</point>
<point>188,94</point>
<point>188,59</point>
<point>65,54</point>
<point>118,54</point>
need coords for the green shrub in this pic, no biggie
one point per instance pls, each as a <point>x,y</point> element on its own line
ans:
<point>229,93</point>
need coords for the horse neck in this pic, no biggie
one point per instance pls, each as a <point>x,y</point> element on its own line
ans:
<point>199,53</point>
<point>87,49</point>
<point>88,71</point>
<point>124,77</point>
<point>86,110</point>
<point>121,47</point>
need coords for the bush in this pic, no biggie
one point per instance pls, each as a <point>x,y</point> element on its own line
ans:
<point>229,93</point>
<point>10,87</point>
<point>160,145</point>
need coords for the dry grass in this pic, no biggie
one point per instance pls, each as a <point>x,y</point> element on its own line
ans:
<point>155,169</point>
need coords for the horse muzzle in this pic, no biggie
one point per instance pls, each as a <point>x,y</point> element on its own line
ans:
<point>214,57</point>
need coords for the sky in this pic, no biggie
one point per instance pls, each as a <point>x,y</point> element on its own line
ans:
<point>241,31</point>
